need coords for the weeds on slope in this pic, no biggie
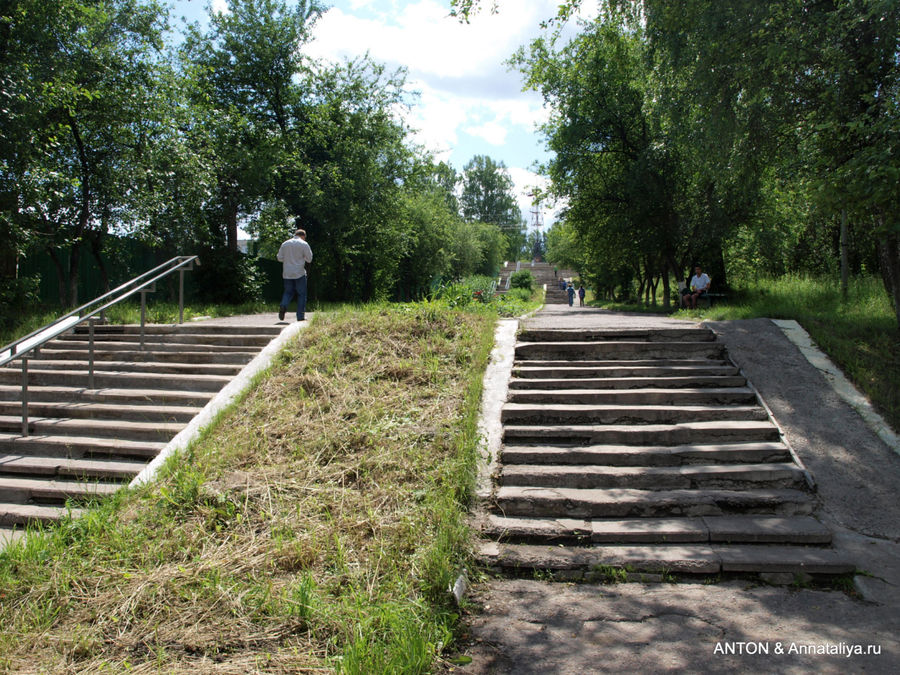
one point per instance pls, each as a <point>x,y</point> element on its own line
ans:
<point>859,334</point>
<point>316,526</point>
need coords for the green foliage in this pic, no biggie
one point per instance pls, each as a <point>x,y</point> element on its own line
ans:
<point>738,134</point>
<point>80,101</point>
<point>488,196</point>
<point>856,333</point>
<point>16,297</point>
<point>472,289</point>
<point>522,279</point>
<point>229,278</point>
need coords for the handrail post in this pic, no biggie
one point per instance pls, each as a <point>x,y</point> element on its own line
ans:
<point>91,353</point>
<point>25,396</point>
<point>143,314</point>
<point>181,295</point>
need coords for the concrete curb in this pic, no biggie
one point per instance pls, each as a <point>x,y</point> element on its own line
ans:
<point>844,388</point>
<point>219,402</point>
<point>495,389</point>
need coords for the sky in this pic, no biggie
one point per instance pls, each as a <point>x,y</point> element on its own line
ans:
<point>469,103</point>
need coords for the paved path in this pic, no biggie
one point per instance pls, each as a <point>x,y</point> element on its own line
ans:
<point>526,626</point>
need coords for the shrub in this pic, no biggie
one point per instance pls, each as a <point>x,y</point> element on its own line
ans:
<point>475,288</point>
<point>226,277</point>
<point>522,279</point>
<point>16,296</point>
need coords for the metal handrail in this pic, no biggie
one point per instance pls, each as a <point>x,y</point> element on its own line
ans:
<point>143,284</point>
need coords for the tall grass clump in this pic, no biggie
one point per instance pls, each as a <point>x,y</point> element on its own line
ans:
<point>317,526</point>
<point>858,333</point>
<point>476,292</point>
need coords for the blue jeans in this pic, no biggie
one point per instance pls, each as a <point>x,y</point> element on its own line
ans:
<point>295,287</point>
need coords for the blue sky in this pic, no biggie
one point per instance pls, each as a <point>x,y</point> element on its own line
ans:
<point>469,102</point>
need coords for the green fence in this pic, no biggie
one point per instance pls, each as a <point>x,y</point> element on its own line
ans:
<point>125,259</point>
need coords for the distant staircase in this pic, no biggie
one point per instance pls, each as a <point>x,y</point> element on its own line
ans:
<point>645,451</point>
<point>85,442</point>
<point>543,275</point>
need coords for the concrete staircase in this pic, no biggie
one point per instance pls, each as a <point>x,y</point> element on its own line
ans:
<point>84,443</point>
<point>645,450</point>
<point>543,274</point>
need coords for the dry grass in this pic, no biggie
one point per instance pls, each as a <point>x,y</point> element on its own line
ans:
<point>315,528</point>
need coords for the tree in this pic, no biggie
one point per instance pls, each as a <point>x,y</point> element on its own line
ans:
<point>488,196</point>
<point>757,100</point>
<point>79,88</point>
<point>487,193</point>
<point>243,73</point>
<point>613,161</point>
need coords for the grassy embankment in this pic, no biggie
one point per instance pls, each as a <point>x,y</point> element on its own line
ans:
<point>317,524</point>
<point>860,334</point>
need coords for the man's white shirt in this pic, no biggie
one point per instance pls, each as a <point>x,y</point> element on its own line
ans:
<point>294,253</point>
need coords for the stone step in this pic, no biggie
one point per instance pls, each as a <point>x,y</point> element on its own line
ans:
<point>78,447</point>
<point>576,413</point>
<point>580,369</point>
<point>10,392</point>
<point>804,530</point>
<point>43,491</point>
<point>80,353</point>
<point>211,340</point>
<point>87,410</point>
<point>118,470</point>
<point>597,383</point>
<point>694,476</point>
<point>183,328</point>
<point>684,396</point>
<point>624,349</point>
<point>627,455</point>
<point>634,503</point>
<point>661,364</point>
<point>9,535</point>
<point>706,559</point>
<point>112,344</point>
<point>25,514</point>
<point>690,433</point>
<point>121,380</point>
<point>133,431</point>
<point>617,334</point>
<point>140,366</point>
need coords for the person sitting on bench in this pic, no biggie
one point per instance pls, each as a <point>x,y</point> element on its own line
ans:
<point>699,287</point>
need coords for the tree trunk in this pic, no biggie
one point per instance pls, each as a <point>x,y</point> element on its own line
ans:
<point>74,259</point>
<point>60,275</point>
<point>889,261</point>
<point>844,246</point>
<point>231,227</point>
<point>97,250</point>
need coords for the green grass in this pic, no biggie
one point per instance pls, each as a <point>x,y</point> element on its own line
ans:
<point>860,334</point>
<point>317,525</point>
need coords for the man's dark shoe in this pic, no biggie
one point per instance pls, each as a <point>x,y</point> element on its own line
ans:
<point>302,317</point>
<point>281,311</point>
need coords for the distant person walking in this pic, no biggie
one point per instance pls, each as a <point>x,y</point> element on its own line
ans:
<point>571,292</point>
<point>294,254</point>
<point>581,294</point>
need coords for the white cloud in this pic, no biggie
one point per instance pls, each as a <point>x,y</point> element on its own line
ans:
<point>492,132</point>
<point>220,6</point>
<point>469,102</point>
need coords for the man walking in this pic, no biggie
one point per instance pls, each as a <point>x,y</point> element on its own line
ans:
<point>295,254</point>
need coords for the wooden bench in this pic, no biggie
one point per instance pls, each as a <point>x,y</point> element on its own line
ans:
<point>709,297</point>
